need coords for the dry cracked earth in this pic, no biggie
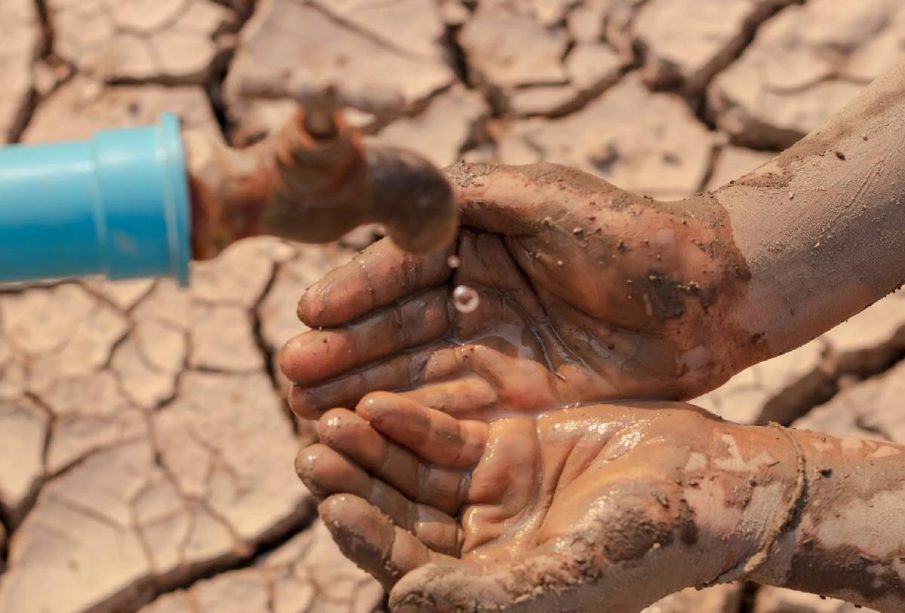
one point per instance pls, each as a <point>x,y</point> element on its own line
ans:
<point>145,448</point>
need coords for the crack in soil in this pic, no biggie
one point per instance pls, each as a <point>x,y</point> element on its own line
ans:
<point>282,532</point>
<point>278,536</point>
<point>374,37</point>
<point>214,86</point>
<point>41,53</point>
<point>748,597</point>
<point>269,353</point>
<point>697,99</point>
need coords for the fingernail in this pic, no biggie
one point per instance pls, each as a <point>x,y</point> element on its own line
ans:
<point>374,403</point>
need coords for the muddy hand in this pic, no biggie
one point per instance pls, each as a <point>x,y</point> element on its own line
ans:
<point>585,292</point>
<point>313,181</point>
<point>604,507</point>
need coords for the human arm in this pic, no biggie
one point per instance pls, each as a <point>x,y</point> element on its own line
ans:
<point>628,296</point>
<point>845,538</point>
<point>822,227</point>
<point>603,507</point>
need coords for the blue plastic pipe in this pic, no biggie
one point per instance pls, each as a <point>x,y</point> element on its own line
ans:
<point>115,205</point>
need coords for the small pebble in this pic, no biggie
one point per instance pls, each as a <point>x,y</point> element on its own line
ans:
<point>465,299</point>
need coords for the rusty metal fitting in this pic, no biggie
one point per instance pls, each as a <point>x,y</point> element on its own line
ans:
<point>313,181</point>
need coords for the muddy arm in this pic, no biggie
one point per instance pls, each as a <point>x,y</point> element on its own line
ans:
<point>845,536</point>
<point>822,227</point>
<point>655,299</point>
<point>604,507</point>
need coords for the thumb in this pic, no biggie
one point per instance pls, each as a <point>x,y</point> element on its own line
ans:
<point>448,587</point>
<point>546,580</point>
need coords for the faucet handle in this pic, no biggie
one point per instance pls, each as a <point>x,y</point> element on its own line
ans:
<point>323,99</point>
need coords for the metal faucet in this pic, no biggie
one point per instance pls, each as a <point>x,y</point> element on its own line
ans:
<point>144,201</point>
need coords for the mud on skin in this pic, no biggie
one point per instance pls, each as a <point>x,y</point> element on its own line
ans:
<point>820,226</point>
<point>539,245</point>
<point>846,541</point>
<point>574,509</point>
<point>603,507</point>
<point>586,292</point>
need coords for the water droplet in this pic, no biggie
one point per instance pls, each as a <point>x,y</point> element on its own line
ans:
<point>453,261</point>
<point>465,299</point>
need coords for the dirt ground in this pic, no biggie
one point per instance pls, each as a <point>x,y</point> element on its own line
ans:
<point>145,449</point>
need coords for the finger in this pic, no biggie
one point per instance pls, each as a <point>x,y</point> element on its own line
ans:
<point>326,472</point>
<point>402,372</point>
<point>420,481</point>
<point>461,397</point>
<point>431,435</point>
<point>378,276</point>
<point>319,355</point>
<point>371,540</point>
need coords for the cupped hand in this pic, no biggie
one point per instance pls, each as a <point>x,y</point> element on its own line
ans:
<point>585,292</point>
<point>602,507</point>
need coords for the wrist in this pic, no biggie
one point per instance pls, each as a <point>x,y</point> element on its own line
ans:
<point>748,495</point>
<point>847,534</point>
<point>712,268</point>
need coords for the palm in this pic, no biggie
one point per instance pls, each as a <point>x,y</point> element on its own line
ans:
<point>586,293</point>
<point>540,478</point>
<point>597,507</point>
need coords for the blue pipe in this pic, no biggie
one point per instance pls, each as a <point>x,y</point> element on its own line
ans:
<point>114,205</point>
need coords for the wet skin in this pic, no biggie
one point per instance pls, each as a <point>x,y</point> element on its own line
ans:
<point>590,293</point>
<point>603,507</point>
<point>586,293</point>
